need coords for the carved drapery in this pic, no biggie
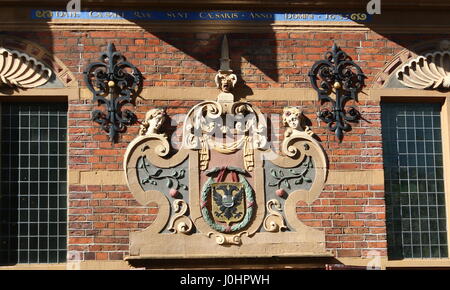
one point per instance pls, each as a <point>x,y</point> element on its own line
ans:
<point>208,126</point>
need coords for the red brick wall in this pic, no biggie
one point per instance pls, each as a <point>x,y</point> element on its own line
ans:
<point>101,217</point>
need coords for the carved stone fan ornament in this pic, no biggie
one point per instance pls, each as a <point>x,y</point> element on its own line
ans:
<point>431,70</point>
<point>20,70</point>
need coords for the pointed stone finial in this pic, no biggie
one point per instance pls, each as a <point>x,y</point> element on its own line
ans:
<point>225,57</point>
<point>225,79</point>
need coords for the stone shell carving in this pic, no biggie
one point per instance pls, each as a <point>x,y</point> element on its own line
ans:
<point>431,70</point>
<point>20,70</point>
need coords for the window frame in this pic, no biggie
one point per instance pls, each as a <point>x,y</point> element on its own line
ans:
<point>46,95</point>
<point>410,96</point>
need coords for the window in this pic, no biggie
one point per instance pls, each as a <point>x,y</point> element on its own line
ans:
<point>414,181</point>
<point>33,192</point>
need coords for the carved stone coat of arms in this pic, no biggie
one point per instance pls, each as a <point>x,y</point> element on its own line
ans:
<point>225,192</point>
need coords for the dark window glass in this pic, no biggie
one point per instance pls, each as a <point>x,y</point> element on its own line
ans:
<point>415,210</point>
<point>33,183</point>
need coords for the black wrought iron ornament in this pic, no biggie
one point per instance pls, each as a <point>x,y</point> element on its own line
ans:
<point>114,82</point>
<point>337,74</point>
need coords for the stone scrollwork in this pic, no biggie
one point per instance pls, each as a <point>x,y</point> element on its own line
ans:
<point>274,221</point>
<point>20,70</point>
<point>150,129</point>
<point>207,122</point>
<point>180,223</point>
<point>227,239</point>
<point>431,70</point>
<point>229,178</point>
<point>148,153</point>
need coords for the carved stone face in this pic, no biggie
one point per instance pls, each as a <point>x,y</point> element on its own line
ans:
<point>225,85</point>
<point>155,119</point>
<point>226,82</point>
<point>292,117</point>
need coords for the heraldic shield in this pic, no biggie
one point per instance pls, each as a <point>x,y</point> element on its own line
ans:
<point>227,206</point>
<point>226,191</point>
<point>228,203</point>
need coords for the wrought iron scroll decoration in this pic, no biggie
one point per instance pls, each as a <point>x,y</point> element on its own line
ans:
<point>339,75</point>
<point>114,82</point>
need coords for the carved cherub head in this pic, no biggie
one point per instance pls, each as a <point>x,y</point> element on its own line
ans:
<point>225,82</point>
<point>153,121</point>
<point>294,119</point>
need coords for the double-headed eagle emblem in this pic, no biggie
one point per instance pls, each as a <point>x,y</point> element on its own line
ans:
<point>228,202</point>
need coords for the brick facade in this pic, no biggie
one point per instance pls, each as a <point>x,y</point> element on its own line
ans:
<point>100,217</point>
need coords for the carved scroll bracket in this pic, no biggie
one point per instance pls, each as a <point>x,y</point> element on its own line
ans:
<point>228,208</point>
<point>180,223</point>
<point>274,221</point>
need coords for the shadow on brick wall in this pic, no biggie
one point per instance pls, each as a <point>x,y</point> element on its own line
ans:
<point>19,242</point>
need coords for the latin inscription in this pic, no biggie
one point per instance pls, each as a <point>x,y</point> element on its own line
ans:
<point>199,16</point>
